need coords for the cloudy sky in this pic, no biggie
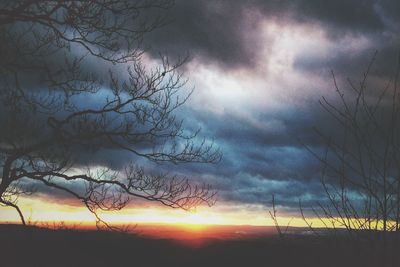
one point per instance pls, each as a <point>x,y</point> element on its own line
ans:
<point>259,68</point>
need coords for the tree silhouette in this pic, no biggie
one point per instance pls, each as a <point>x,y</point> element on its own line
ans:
<point>273,214</point>
<point>74,80</point>
<point>361,167</point>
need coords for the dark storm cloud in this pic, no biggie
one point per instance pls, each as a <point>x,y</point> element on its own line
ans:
<point>209,30</point>
<point>269,157</point>
<point>353,16</point>
<point>258,162</point>
<point>227,31</point>
<point>354,65</point>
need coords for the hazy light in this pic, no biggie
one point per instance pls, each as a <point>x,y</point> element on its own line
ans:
<point>39,210</point>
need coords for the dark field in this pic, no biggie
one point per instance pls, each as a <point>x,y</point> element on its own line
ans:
<point>38,247</point>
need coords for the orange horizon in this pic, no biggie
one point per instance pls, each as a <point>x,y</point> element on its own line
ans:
<point>41,210</point>
<point>191,235</point>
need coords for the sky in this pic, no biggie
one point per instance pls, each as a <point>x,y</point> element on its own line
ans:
<point>258,69</point>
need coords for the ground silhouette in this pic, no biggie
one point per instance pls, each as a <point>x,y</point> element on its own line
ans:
<point>39,247</point>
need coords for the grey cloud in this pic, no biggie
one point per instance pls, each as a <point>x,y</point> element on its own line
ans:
<point>353,16</point>
<point>353,65</point>
<point>259,161</point>
<point>226,32</point>
<point>208,30</point>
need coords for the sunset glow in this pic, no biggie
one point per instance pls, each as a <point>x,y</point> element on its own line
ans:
<point>41,211</point>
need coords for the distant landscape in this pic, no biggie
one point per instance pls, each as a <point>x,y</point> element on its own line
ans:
<point>31,246</point>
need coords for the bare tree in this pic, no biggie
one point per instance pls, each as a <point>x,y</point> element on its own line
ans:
<point>273,215</point>
<point>361,167</point>
<point>74,79</point>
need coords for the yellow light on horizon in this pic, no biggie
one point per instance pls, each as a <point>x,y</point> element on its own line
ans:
<point>40,210</point>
